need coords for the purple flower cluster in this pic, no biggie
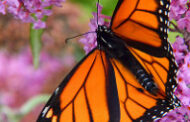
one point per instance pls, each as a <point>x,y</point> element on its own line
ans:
<point>182,56</point>
<point>31,11</point>
<point>180,50</point>
<point>178,8</point>
<point>89,40</point>
<point>19,80</point>
<point>181,114</point>
<point>181,13</point>
<point>183,88</point>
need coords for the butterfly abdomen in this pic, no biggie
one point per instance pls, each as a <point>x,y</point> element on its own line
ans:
<point>142,76</point>
<point>146,81</point>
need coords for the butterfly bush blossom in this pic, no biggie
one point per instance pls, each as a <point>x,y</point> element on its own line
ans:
<point>181,14</point>
<point>182,56</point>
<point>31,11</point>
<point>19,80</point>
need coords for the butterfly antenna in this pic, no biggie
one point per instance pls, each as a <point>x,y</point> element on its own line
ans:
<point>67,39</point>
<point>97,11</point>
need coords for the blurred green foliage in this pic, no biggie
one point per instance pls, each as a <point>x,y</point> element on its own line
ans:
<point>90,5</point>
<point>16,115</point>
<point>172,35</point>
<point>35,41</point>
<point>35,44</point>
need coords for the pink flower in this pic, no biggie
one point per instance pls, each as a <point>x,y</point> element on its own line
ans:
<point>183,88</point>
<point>182,56</point>
<point>180,49</point>
<point>31,11</point>
<point>178,8</point>
<point>181,114</point>
<point>18,78</point>
<point>2,7</point>
<point>184,23</point>
<point>39,24</point>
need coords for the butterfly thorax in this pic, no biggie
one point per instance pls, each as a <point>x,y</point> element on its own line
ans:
<point>103,33</point>
<point>108,41</point>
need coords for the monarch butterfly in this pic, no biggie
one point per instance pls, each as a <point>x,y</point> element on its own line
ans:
<point>129,76</point>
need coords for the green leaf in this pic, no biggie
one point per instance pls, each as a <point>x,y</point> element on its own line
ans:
<point>79,52</point>
<point>35,44</point>
<point>35,41</point>
<point>16,115</point>
<point>90,6</point>
<point>172,36</point>
<point>33,102</point>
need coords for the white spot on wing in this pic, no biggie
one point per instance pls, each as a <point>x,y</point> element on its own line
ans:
<point>45,111</point>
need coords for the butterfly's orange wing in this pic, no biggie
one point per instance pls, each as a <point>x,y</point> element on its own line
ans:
<point>141,21</point>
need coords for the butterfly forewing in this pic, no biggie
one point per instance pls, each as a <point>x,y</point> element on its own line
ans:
<point>141,21</point>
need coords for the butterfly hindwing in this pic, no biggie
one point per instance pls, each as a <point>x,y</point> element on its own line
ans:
<point>135,102</point>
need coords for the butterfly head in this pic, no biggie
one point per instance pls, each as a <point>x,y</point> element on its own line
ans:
<point>103,35</point>
<point>107,40</point>
<point>102,28</point>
